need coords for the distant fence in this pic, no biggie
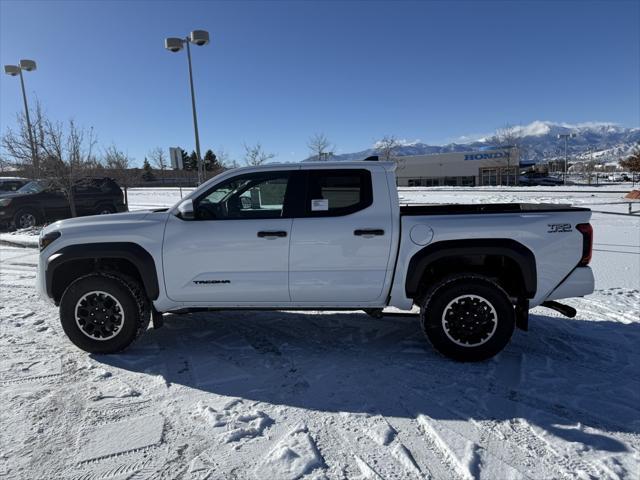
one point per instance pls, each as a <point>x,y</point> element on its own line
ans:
<point>165,182</point>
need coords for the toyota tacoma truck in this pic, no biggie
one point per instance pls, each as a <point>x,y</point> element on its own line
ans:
<point>317,236</point>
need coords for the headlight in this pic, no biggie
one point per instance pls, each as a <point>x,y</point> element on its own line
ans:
<point>47,239</point>
<point>4,202</point>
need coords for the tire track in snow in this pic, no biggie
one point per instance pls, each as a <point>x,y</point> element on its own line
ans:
<point>472,448</point>
<point>372,459</point>
<point>569,466</point>
<point>508,378</point>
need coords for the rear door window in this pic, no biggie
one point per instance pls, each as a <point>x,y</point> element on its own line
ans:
<point>337,192</point>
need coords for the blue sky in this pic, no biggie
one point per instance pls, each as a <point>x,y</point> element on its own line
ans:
<point>277,72</point>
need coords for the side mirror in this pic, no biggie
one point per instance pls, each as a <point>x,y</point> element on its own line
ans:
<point>186,210</point>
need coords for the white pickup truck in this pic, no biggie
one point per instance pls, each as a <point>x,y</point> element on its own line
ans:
<point>318,236</point>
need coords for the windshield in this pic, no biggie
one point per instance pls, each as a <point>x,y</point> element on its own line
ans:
<point>32,187</point>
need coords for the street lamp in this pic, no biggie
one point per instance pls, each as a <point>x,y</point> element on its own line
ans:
<point>566,137</point>
<point>16,70</point>
<point>173,44</point>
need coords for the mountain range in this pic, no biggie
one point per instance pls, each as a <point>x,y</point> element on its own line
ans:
<point>537,141</point>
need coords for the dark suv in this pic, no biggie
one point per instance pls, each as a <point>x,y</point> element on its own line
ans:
<point>39,202</point>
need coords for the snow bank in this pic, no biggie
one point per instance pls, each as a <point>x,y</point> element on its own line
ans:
<point>27,237</point>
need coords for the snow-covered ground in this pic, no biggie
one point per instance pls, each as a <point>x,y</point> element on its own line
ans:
<point>287,395</point>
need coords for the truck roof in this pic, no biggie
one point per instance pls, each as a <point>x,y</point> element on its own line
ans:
<point>389,166</point>
<point>351,163</point>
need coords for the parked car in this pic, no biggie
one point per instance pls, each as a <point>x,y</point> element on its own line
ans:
<point>11,184</point>
<point>539,179</point>
<point>326,235</point>
<point>39,202</point>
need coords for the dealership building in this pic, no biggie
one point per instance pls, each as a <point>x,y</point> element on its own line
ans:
<point>487,167</point>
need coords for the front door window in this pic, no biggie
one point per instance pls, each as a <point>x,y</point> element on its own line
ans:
<point>251,196</point>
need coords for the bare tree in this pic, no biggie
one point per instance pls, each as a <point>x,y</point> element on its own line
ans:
<point>158,160</point>
<point>68,156</point>
<point>17,146</point>
<point>507,135</point>
<point>319,145</point>
<point>224,159</point>
<point>632,162</point>
<point>511,136</point>
<point>387,147</point>
<point>118,164</point>
<point>254,155</point>
<point>5,165</point>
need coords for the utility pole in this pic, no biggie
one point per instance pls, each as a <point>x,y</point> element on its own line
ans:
<point>13,70</point>
<point>566,137</point>
<point>173,44</point>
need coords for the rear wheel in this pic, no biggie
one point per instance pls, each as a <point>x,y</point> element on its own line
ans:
<point>103,313</point>
<point>105,209</point>
<point>467,317</point>
<point>26,217</point>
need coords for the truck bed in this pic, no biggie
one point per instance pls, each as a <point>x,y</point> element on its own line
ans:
<point>475,208</point>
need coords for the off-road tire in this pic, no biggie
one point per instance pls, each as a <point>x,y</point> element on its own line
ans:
<point>132,301</point>
<point>105,209</point>
<point>453,302</point>
<point>24,212</point>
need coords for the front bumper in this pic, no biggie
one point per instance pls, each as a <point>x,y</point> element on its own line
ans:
<point>41,281</point>
<point>6,214</point>
<point>579,283</point>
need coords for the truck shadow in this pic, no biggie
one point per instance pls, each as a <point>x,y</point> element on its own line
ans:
<point>574,379</point>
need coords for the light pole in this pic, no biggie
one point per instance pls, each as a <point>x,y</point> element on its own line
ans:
<point>566,137</point>
<point>173,44</point>
<point>13,70</point>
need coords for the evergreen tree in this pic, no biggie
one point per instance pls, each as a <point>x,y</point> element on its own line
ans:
<point>193,161</point>
<point>186,161</point>
<point>147,174</point>
<point>211,161</point>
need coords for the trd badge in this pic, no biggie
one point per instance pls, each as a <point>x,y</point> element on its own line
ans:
<point>559,228</point>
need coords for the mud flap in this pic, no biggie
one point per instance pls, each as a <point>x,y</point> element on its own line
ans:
<point>157,319</point>
<point>522,314</point>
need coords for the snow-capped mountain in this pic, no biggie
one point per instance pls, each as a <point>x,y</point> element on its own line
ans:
<point>537,141</point>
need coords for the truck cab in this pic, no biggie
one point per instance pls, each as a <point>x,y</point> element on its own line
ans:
<point>314,236</point>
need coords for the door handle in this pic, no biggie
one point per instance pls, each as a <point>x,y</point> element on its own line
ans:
<point>368,232</point>
<point>272,234</point>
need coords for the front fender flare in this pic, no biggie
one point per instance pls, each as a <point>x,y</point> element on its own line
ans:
<point>132,252</point>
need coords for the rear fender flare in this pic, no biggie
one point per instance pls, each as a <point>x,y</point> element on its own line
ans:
<point>521,255</point>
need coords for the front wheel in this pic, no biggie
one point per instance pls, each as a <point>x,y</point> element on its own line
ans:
<point>467,317</point>
<point>103,313</point>
<point>26,218</point>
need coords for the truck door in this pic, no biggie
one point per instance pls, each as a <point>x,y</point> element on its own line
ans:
<point>341,240</point>
<point>236,250</point>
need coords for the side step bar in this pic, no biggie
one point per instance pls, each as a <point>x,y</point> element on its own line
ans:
<point>378,313</point>
<point>565,310</point>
